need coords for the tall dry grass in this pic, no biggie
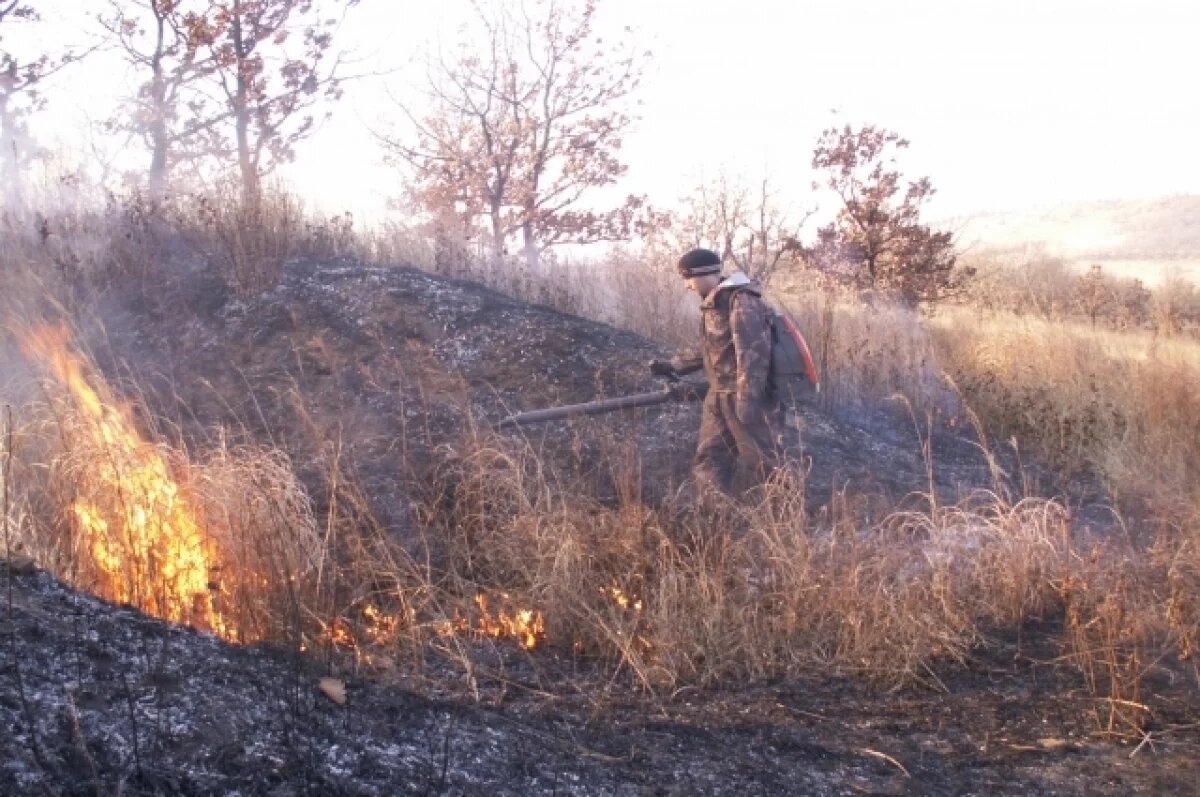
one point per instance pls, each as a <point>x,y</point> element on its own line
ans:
<point>668,594</point>
<point>249,239</point>
<point>760,588</point>
<point>1124,404</point>
<point>671,595</point>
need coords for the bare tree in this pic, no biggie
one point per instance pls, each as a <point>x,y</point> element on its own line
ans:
<point>20,80</point>
<point>1093,293</point>
<point>878,238</point>
<point>524,123</point>
<point>747,226</point>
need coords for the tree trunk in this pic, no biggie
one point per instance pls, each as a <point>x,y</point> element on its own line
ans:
<point>247,168</point>
<point>157,182</point>
<point>497,235</point>
<point>158,142</point>
<point>533,255</point>
<point>249,175</point>
<point>10,153</point>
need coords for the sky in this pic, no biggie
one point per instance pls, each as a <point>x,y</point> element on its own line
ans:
<point>1007,105</point>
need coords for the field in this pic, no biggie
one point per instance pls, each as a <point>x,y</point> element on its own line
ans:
<point>284,438</point>
<point>1135,239</point>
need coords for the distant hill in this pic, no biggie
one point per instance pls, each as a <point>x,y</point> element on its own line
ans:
<point>1141,238</point>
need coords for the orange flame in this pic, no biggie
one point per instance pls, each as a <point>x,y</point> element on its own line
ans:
<point>145,544</point>
<point>527,626</point>
<point>621,598</point>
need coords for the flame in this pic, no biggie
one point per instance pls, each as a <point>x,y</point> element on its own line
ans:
<point>527,626</point>
<point>145,543</point>
<point>619,597</point>
<point>633,607</point>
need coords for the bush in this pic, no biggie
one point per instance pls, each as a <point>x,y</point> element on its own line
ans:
<point>249,240</point>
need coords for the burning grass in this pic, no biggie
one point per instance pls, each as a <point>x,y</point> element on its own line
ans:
<point>670,594</point>
<point>204,543</point>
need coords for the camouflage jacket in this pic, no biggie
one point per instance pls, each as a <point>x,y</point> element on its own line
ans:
<point>735,333</point>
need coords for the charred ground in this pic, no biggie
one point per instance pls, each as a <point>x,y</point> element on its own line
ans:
<point>398,364</point>
<point>98,699</point>
<point>398,368</point>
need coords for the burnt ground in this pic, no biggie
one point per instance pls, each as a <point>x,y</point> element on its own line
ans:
<point>398,367</point>
<point>98,699</point>
<point>396,363</point>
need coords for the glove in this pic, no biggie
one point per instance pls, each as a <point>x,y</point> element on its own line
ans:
<point>662,368</point>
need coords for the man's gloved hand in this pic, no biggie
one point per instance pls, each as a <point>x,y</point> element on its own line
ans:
<point>662,368</point>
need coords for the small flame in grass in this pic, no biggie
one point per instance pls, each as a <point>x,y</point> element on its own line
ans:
<point>381,627</point>
<point>527,626</point>
<point>368,627</point>
<point>632,606</point>
<point>619,597</point>
<point>367,632</point>
<point>340,634</point>
<point>142,537</point>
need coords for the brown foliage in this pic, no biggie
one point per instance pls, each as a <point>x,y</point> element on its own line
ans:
<point>225,80</point>
<point>878,240</point>
<point>525,123</point>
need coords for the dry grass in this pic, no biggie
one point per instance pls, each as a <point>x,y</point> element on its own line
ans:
<point>249,239</point>
<point>1124,404</point>
<point>673,596</point>
<point>759,589</point>
<point>898,595</point>
<point>667,594</point>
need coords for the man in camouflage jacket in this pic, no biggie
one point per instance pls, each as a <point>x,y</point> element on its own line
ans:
<point>741,417</point>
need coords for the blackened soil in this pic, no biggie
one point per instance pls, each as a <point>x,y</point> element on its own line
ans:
<point>97,699</point>
<point>397,367</point>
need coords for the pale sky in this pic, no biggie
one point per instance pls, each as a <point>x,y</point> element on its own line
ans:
<point>1008,104</point>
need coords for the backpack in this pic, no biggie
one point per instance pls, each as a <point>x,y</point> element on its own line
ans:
<point>793,375</point>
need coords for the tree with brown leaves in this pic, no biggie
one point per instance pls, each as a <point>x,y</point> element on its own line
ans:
<point>154,37</point>
<point>524,123</point>
<point>877,240</point>
<point>271,62</point>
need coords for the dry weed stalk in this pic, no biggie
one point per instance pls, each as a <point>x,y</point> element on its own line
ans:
<point>250,238</point>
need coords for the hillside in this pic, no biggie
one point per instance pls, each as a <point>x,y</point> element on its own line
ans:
<point>398,364</point>
<point>400,374</point>
<point>1133,237</point>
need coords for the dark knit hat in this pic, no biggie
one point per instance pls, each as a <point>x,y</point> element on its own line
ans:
<point>699,262</point>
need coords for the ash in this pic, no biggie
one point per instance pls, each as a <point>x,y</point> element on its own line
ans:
<point>99,699</point>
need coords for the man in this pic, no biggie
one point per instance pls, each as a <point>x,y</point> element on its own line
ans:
<point>742,418</point>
